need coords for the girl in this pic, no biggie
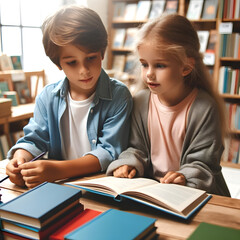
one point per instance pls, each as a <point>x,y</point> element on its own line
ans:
<point>178,123</point>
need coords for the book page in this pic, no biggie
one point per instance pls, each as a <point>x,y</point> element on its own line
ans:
<point>113,185</point>
<point>173,196</point>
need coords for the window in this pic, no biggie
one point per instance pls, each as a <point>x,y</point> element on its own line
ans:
<point>20,29</point>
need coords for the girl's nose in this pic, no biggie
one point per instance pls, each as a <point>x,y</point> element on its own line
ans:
<point>150,74</point>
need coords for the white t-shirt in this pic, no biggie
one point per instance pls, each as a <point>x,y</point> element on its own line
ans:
<point>75,142</point>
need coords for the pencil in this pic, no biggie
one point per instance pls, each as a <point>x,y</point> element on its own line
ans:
<point>34,159</point>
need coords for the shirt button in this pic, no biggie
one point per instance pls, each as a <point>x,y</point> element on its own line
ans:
<point>93,141</point>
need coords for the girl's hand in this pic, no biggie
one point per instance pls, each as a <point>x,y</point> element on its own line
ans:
<point>14,172</point>
<point>125,171</point>
<point>37,172</point>
<point>174,177</point>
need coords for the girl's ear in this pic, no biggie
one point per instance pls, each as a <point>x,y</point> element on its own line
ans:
<point>188,67</point>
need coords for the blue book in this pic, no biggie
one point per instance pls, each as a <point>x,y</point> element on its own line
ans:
<point>25,231</point>
<point>41,205</point>
<point>181,201</point>
<point>114,224</point>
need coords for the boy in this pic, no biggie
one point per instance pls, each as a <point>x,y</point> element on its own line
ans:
<point>83,120</point>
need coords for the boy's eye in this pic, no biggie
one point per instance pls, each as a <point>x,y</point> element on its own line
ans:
<point>91,58</point>
<point>71,62</point>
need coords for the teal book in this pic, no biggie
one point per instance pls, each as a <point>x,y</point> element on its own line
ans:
<point>41,205</point>
<point>114,224</point>
<point>207,231</point>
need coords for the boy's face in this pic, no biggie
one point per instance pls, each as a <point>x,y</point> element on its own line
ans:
<point>82,69</point>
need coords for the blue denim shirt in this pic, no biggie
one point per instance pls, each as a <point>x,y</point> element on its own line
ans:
<point>108,122</point>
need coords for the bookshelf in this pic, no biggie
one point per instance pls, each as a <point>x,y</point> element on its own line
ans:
<point>11,126</point>
<point>225,12</point>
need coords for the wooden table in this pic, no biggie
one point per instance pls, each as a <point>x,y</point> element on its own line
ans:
<point>219,210</point>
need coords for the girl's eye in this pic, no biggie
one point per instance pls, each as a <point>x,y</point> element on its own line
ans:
<point>144,65</point>
<point>158,65</point>
<point>72,62</point>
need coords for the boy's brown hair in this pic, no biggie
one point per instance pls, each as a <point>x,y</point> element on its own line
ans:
<point>76,25</point>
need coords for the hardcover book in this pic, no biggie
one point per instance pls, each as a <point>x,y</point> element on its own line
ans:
<point>82,218</point>
<point>210,9</point>
<point>171,6</point>
<point>194,9</point>
<point>209,231</point>
<point>21,230</point>
<point>143,9</point>
<point>175,199</point>
<point>41,205</point>
<point>114,224</point>
<point>157,9</point>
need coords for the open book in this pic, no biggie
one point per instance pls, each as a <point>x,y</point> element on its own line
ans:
<point>178,200</point>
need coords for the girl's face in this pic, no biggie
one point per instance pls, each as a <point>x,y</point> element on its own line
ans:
<point>162,74</point>
<point>82,69</point>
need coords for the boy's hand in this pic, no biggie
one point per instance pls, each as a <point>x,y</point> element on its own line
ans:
<point>125,171</point>
<point>14,172</point>
<point>174,177</point>
<point>37,172</point>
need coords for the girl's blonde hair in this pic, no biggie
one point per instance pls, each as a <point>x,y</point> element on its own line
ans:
<point>76,25</point>
<point>175,36</point>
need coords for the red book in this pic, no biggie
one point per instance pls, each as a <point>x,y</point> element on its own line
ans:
<point>80,219</point>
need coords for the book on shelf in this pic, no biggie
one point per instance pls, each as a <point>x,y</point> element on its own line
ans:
<point>213,36</point>
<point>5,63</point>
<point>23,92</point>
<point>229,80</point>
<point>203,40</point>
<point>18,229</point>
<point>118,10</point>
<point>16,62</point>
<point>130,12</point>
<point>143,9</point>
<point>210,8</point>
<point>23,209</point>
<point>115,224</point>
<point>13,96</point>
<point>209,231</point>
<point>130,64</point>
<point>171,6</point>
<point>231,9</point>
<point>118,62</point>
<point>157,9</point>
<point>194,9</point>
<point>130,38</point>
<point>118,38</point>
<point>229,45</point>
<point>3,88</point>
<point>175,199</point>
<point>80,219</point>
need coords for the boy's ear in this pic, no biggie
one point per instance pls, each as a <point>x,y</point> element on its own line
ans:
<point>188,67</point>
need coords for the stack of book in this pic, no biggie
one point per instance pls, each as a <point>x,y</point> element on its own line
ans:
<point>5,106</point>
<point>39,212</point>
